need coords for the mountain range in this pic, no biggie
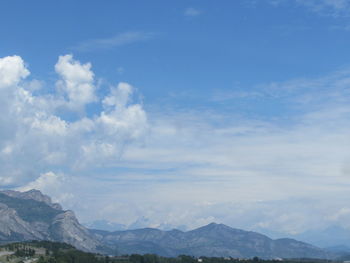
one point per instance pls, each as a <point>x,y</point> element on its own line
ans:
<point>33,216</point>
<point>210,240</point>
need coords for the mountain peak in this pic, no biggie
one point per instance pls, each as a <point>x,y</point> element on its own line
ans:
<point>215,226</point>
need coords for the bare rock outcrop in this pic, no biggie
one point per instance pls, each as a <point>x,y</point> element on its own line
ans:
<point>12,227</point>
<point>31,215</point>
<point>66,228</point>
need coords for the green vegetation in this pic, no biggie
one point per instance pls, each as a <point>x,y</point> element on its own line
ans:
<point>46,252</point>
<point>29,209</point>
<point>49,245</point>
<point>151,258</point>
<point>55,252</point>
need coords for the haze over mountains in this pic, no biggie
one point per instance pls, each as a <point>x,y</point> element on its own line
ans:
<point>333,237</point>
<point>31,215</point>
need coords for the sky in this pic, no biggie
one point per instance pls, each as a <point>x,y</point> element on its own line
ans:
<point>176,114</point>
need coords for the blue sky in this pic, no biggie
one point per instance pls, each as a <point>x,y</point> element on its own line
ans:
<point>239,44</point>
<point>180,113</point>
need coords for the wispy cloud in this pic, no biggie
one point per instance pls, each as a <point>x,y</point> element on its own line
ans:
<point>328,7</point>
<point>122,39</point>
<point>335,8</point>
<point>192,12</point>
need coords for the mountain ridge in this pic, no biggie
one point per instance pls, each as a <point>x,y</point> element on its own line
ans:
<point>210,240</point>
<point>34,195</point>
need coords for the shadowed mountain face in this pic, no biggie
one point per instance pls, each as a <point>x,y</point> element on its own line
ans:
<point>211,240</point>
<point>32,216</point>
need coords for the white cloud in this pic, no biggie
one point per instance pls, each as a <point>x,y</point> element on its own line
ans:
<point>12,70</point>
<point>51,184</point>
<point>119,96</point>
<point>34,137</point>
<point>77,81</point>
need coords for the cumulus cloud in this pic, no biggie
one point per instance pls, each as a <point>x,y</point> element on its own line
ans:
<point>77,81</point>
<point>51,184</point>
<point>35,138</point>
<point>119,96</point>
<point>12,70</point>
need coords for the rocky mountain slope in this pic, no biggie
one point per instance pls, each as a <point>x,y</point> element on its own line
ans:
<point>32,216</point>
<point>211,240</point>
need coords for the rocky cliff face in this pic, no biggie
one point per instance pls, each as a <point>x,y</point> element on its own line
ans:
<point>12,227</point>
<point>66,228</point>
<point>32,216</point>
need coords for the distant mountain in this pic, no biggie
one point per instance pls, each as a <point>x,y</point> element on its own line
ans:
<point>105,225</point>
<point>32,216</point>
<point>141,222</point>
<point>211,240</point>
<point>335,238</point>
